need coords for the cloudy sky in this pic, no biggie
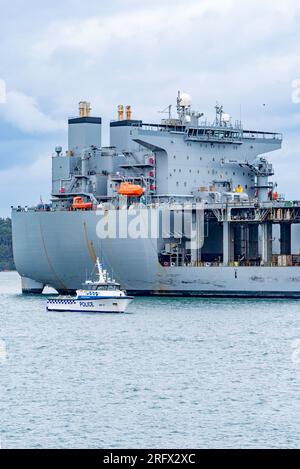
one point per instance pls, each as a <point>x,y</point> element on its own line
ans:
<point>244,54</point>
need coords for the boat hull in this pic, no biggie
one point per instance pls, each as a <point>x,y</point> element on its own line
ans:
<point>105,305</point>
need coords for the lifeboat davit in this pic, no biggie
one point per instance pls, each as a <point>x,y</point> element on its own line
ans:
<point>79,204</point>
<point>131,190</point>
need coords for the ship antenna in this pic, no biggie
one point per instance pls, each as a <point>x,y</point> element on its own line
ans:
<point>167,110</point>
<point>219,114</point>
<point>241,115</point>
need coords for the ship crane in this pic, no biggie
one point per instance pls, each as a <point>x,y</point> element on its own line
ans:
<point>262,169</point>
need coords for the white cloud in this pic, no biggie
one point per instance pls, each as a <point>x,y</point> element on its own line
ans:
<point>142,27</point>
<point>215,49</point>
<point>23,185</point>
<point>2,92</point>
<point>241,53</point>
<point>160,48</point>
<point>225,25</point>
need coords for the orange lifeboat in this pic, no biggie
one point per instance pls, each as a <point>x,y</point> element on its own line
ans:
<point>79,204</point>
<point>131,190</point>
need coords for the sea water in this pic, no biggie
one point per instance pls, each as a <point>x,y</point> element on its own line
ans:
<point>171,372</point>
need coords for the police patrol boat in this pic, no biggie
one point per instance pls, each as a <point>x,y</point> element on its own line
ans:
<point>104,295</point>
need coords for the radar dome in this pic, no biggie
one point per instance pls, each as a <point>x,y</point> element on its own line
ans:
<point>185,99</point>
<point>226,118</point>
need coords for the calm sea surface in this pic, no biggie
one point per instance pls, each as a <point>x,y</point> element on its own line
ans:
<point>169,373</point>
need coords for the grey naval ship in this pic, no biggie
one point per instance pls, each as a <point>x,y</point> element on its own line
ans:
<point>214,175</point>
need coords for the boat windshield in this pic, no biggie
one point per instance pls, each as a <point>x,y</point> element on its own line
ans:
<point>102,287</point>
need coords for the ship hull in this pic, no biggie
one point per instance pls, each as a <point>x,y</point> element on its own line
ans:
<point>59,249</point>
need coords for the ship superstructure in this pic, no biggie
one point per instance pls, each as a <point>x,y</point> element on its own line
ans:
<point>215,175</point>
